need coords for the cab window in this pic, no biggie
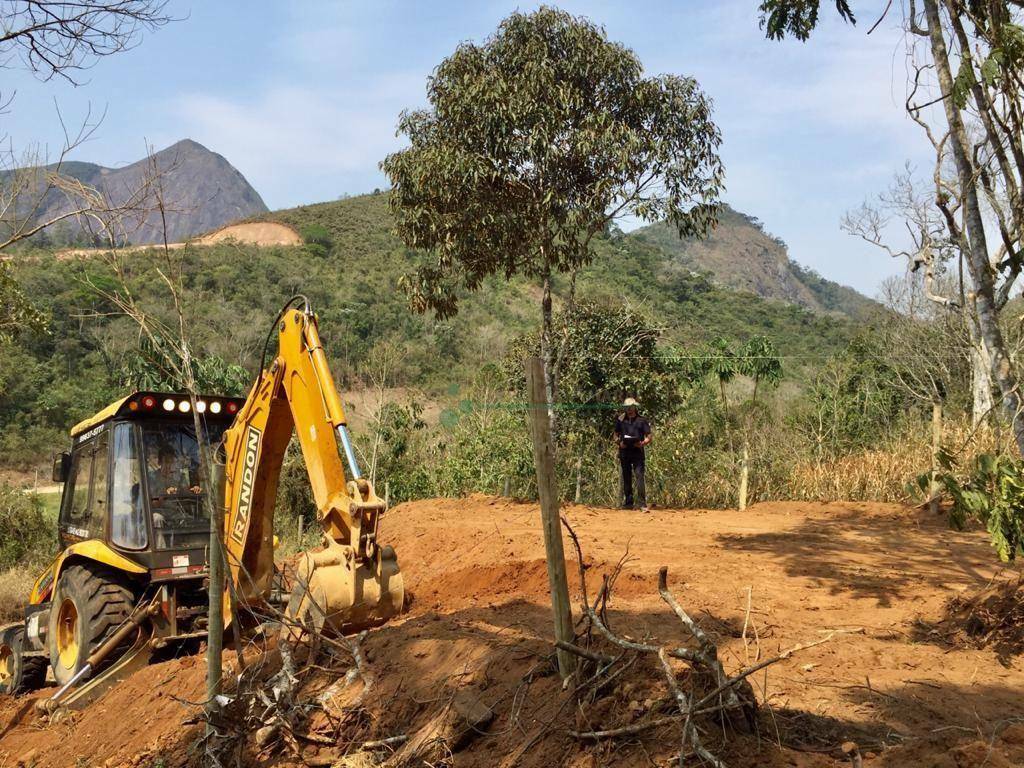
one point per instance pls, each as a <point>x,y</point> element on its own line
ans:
<point>76,491</point>
<point>174,483</point>
<point>127,501</point>
<point>85,509</point>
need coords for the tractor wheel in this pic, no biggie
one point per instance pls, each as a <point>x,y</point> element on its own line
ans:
<point>19,673</point>
<point>91,601</point>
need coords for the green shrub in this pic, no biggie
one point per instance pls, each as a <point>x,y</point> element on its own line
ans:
<point>25,534</point>
<point>318,239</point>
<point>992,494</point>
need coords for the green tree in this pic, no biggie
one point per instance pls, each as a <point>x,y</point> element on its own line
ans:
<point>851,399</point>
<point>318,239</point>
<point>534,142</point>
<point>797,17</point>
<point>17,312</point>
<point>612,352</point>
<point>156,365</point>
<point>24,531</point>
<point>758,361</point>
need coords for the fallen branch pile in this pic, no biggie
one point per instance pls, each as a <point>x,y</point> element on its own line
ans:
<point>708,689</point>
<point>320,702</point>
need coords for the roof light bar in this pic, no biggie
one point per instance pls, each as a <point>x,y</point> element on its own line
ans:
<point>182,405</point>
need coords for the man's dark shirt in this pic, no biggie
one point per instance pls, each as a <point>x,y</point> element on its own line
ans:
<point>632,431</point>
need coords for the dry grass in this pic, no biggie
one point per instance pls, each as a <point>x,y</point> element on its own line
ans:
<point>867,476</point>
<point>15,585</point>
<point>888,472</point>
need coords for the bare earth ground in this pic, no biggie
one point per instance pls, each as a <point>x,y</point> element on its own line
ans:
<point>263,233</point>
<point>479,624</point>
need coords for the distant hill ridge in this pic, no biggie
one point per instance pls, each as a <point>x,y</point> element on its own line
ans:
<point>202,192</point>
<point>740,255</point>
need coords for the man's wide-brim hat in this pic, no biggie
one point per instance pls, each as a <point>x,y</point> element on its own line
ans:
<point>630,403</point>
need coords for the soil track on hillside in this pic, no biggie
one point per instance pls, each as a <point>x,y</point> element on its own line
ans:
<point>883,575</point>
<point>261,233</point>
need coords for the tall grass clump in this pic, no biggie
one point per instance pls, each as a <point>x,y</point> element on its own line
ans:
<point>26,541</point>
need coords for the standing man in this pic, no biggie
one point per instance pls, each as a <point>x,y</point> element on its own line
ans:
<point>632,434</point>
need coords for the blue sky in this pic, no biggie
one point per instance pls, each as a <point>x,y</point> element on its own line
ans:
<point>302,97</point>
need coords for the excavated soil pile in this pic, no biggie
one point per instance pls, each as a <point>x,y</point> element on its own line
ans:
<point>992,618</point>
<point>465,676</point>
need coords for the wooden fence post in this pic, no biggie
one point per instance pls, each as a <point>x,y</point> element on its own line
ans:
<point>547,486</point>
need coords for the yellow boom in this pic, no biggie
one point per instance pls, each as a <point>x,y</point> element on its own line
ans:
<point>353,582</point>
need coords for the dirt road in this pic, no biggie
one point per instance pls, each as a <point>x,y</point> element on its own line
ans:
<point>880,575</point>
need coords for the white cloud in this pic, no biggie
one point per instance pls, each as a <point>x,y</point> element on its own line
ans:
<point>288,134</point>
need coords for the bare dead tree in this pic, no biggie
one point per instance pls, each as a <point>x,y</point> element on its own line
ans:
<point>383,361</point>
<point>982,134</point>
<point>36,194</point>
<point>170,337</point>
<point>56,38</point>
<point>50,38</point>
<point>935,269</point>
<point>929,351</point>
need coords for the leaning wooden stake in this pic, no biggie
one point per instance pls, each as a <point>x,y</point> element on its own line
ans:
<point>547,487</point>
<point>215,635</point>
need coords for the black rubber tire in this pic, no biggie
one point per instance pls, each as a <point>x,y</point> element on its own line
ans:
<point>24,673</point>
<point>103,600</point>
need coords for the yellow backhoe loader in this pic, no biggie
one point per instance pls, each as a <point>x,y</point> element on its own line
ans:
<point>132,572</point>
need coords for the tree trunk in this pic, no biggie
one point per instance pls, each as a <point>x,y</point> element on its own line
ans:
<point>933,486</point>
<point>547,352</point>
<point>213,501</point>
<point>744,473</point>
<point>547,489</point>
<point>977,252</point>
<point>981,382</point>
<point>579,479</point>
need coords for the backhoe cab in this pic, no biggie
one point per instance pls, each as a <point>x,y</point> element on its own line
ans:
<point>132,527</point>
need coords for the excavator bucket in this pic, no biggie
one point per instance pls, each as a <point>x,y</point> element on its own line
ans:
<point>334,592</point>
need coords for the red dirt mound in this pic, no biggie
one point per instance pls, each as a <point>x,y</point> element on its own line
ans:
<point>479,630</point>
<point>990,618</point>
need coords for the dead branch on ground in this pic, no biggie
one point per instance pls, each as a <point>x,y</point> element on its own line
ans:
<point>707,689</point>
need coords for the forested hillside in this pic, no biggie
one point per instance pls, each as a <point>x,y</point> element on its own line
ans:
<point>740,255</point>
<point>350,269</point>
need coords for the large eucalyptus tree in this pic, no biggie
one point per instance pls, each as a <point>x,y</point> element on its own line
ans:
<point>534,142</point>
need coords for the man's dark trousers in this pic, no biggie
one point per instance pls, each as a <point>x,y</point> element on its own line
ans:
<point>632,461</point>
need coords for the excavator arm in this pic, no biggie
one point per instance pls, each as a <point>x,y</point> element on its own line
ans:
<point>352,582</point>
